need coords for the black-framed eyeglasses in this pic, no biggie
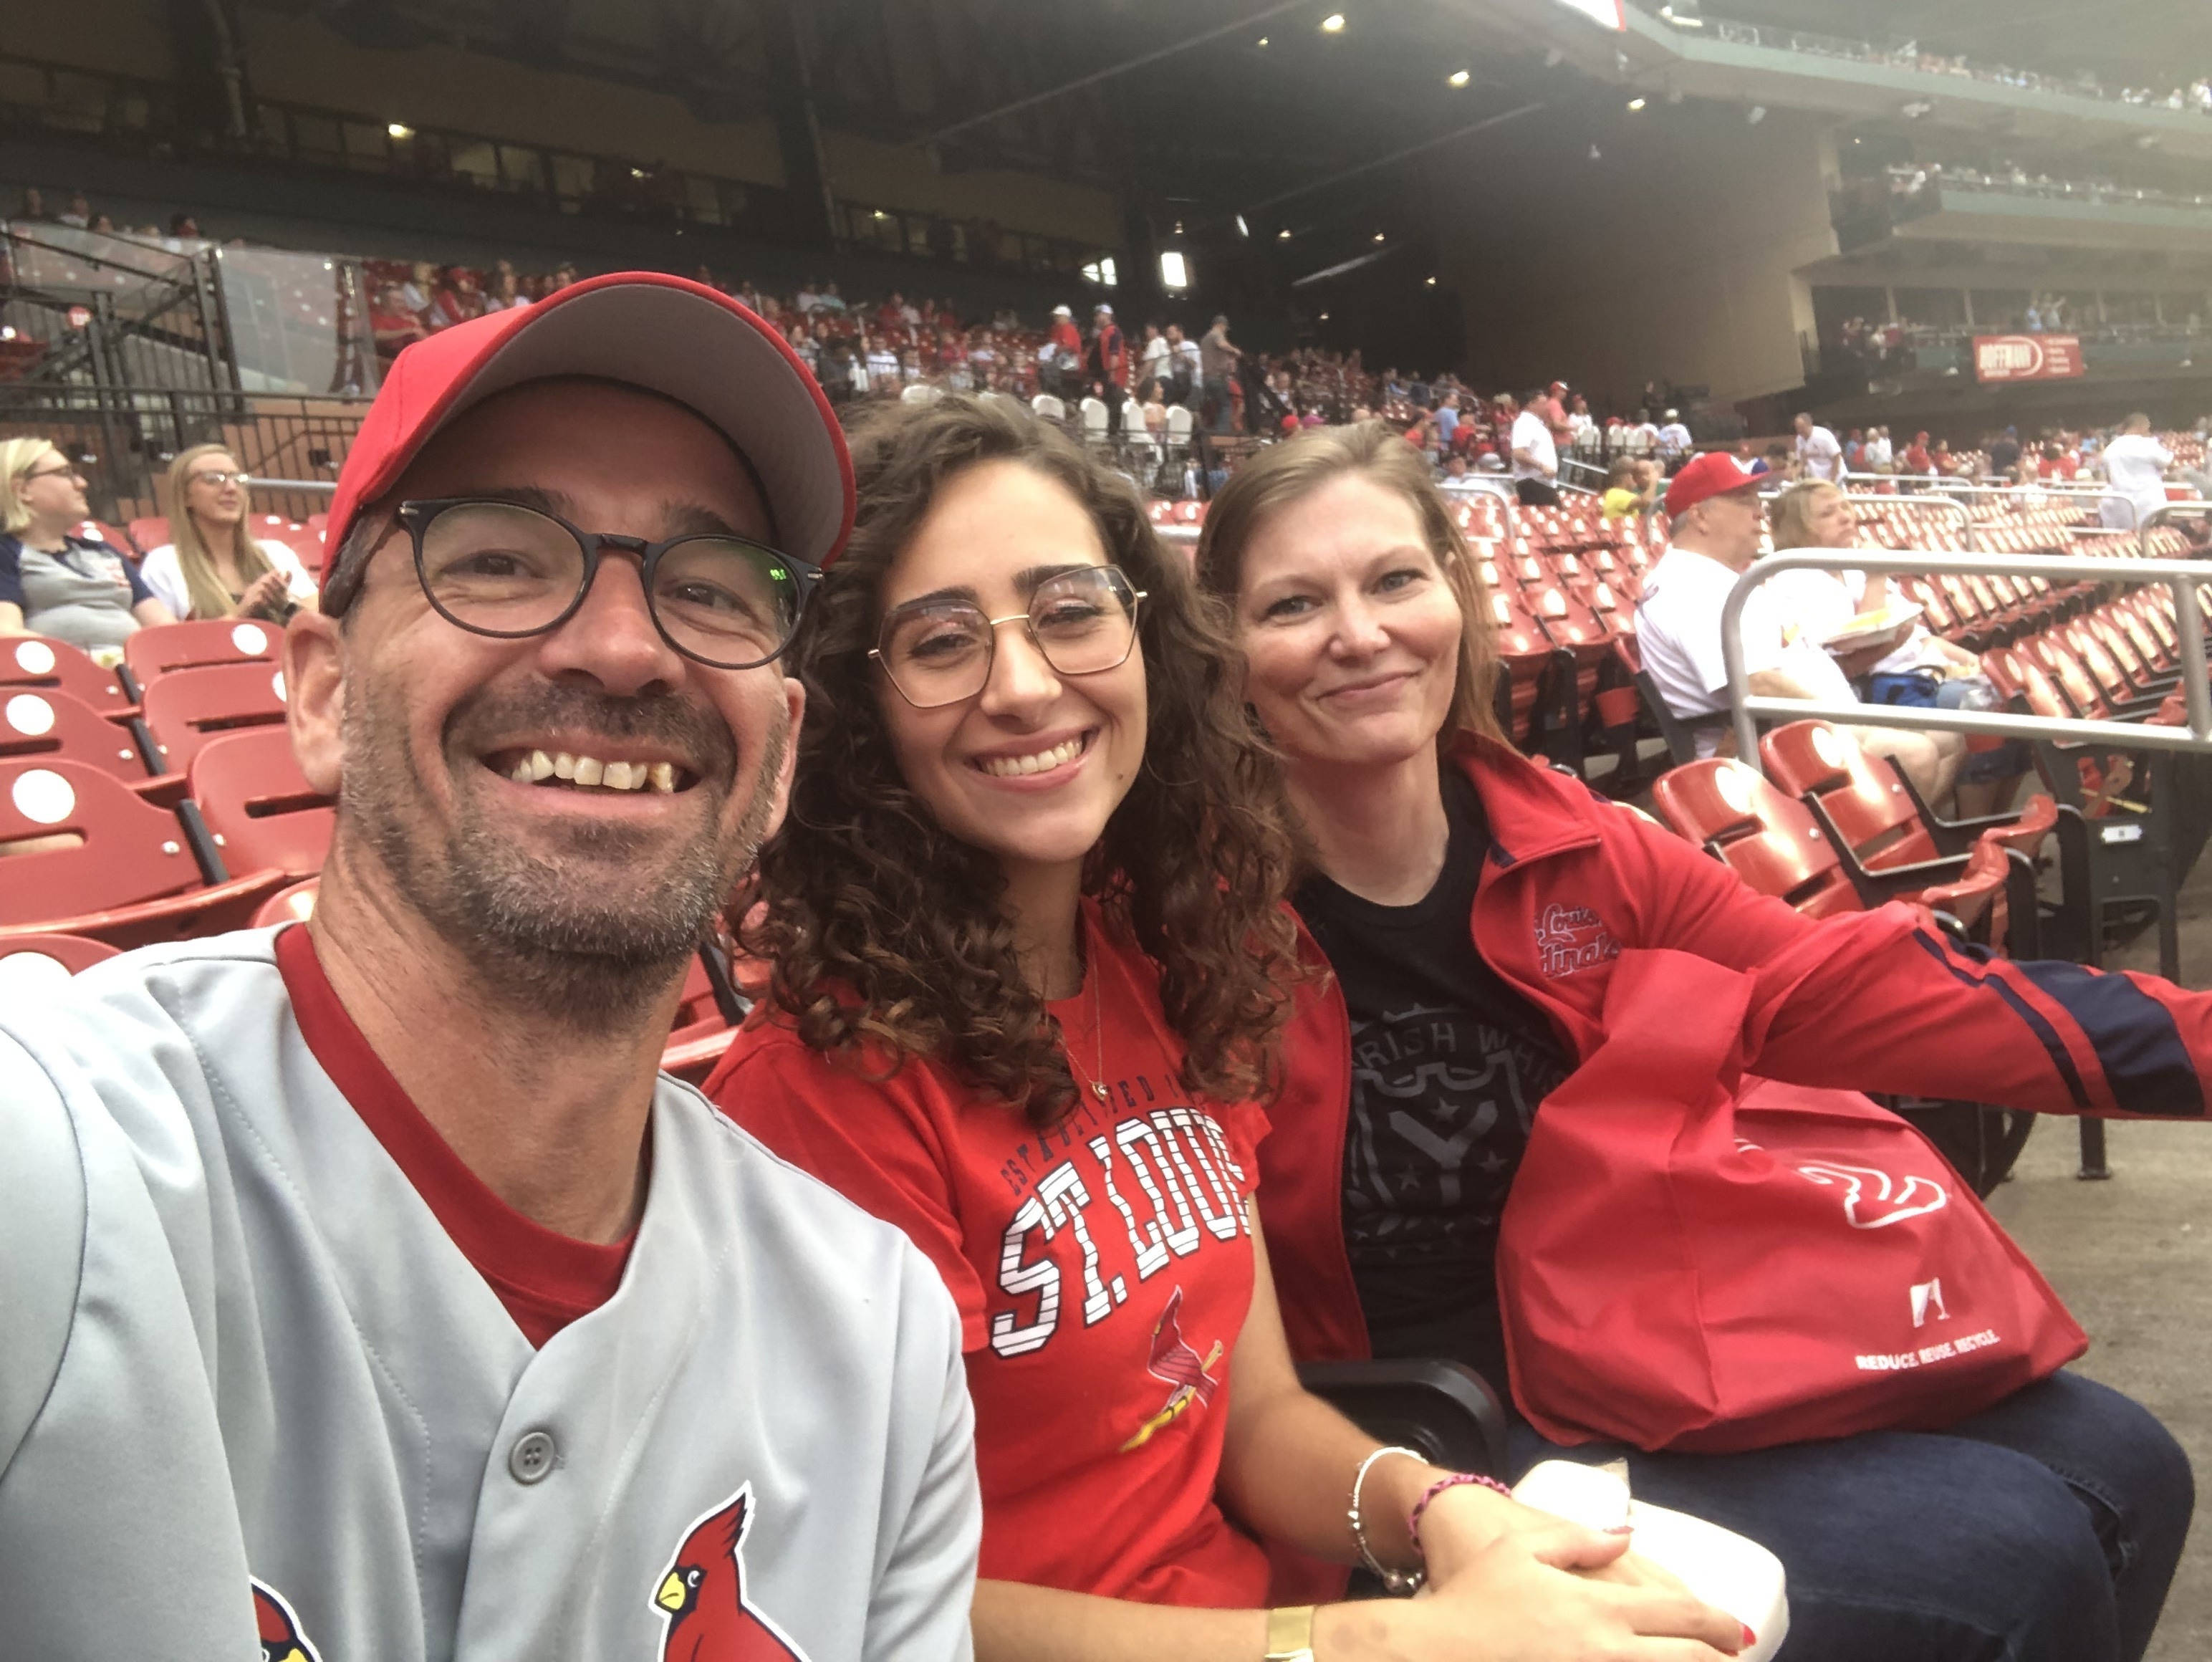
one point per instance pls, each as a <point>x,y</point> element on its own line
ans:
<point>499,568</point>
<point>939,651</point>
<point>52,473</point>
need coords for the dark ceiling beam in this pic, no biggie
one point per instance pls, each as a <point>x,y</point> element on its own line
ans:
<point>1394,157</point>
<point>1111,70</point>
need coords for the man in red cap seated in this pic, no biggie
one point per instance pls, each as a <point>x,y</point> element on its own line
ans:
<point>368,1292</point>
<point>1717,523</point>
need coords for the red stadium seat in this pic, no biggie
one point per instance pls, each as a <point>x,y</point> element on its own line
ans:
<point>295,904</point>
<point>149,532</point>
<point>185,712</point>
<point>33,661</point>
<point>152,652</point>
<point>1766,839</point>
<point>83,855</point>
<point>47,722</point>
<point>56,956</point>
<point>259,807</point>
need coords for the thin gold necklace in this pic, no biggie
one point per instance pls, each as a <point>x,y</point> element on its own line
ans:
<point>1097,1083</point>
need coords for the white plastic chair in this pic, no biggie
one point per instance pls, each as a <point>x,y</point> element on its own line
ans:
<point>1049,406</point>
<point>921,392</point>
<point>1094,418</point>
<point>1180,424</point>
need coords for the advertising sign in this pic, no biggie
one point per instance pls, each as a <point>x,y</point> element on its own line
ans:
<point>2026,357</point>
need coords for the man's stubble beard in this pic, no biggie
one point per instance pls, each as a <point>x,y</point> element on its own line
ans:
<point>540,940</point>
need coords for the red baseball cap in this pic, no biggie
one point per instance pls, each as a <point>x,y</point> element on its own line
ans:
<point>644,329</point>
<point>1715,473</point>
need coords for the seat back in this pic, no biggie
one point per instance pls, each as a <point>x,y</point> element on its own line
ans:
<point>1050,407</point>
<point>184,712</point>
<point>1769,841</point>
<point>262,812</point>
<point>294,904</point>
<point>149,531</point>
<point>1875,816</point>
<point>1179,421</point>
<point>42,722</point>
<point>32,661</point>
<point>32,964</point>
<point>82,842</point>
<point>152,652</point>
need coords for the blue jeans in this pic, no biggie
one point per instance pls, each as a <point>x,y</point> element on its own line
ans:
<point>2043,1530</point>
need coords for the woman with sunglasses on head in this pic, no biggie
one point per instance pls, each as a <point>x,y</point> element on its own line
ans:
<point>1029,964</point>
<point>54,580</point>
<point>215,567</point>
<point>1471,906</point>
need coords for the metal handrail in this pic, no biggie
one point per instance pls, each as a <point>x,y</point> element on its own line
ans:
<point>2194,506</point>
<point>2181,576</point>
<point>260,482</point>
<point>2096,493</point>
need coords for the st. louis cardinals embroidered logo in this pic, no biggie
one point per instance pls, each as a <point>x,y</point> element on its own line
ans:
<point>1571,938</point>
<point>1174,1361</point>
<point>703,1593</point>
<point>279,1628</point>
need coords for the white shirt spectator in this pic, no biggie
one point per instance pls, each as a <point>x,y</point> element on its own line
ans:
<point>883,369</point>
<point>1532,435</point>
<point>1640,438</point>
<point>1678,631</point>
<point>1186,351</point>
<point>2135,465</point>
<point>165,575</point>
<point>807,301</point>
<point>1582,426</point>
<point>1823,458</point>
<point>1674,441</point>
<point>1155,361</point>
<point>1879,452</point>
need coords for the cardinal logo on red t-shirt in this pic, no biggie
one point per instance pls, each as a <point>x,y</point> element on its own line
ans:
<point>1173,1360</point>
<point>702,1592</point>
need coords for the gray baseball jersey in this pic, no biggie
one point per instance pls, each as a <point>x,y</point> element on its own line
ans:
<point>247,1378</point>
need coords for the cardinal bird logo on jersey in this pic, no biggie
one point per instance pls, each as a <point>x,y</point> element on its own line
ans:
<point>1173,1360</point>
<point>281,1638</point>
<point>703,1593</point>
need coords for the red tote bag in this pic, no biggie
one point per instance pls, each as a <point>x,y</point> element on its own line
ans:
<point>1693,1260</point>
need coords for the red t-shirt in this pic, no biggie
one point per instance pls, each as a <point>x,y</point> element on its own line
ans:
<point>544,1279</point>
<point>1103,1270</point>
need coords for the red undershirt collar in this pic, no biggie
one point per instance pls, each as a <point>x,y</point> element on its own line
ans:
<point>546,1280</point>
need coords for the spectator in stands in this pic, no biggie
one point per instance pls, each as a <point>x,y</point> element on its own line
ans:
<point>391,322</point>
<point>1923,669</point>
<point>215,567</point>
<point>809,351</point>
<point>2135,467</point>
<point>456,299</point>
<point>1107,361</point>
<point>1819,455</point>
<point>53,581</point>
<point>1715,520</point>
<point>885,376</point>
<point>807,299</point>
<point>32,210</point>
<point>1582,427</point>
<point>1675,442</point>
<point>1060,366</point>
<point>1535,468</point>
<point>507,290</point>
<point>1879,452</point>
<point>1217,361</point>
<point>422,284</point>
<point>78,213</point>
<point>1447,414</point>
<point>1918,458</point>
<point>1152,363</point>
<point>183,229</point>
<point>1854,451</point>
<point>1183,369</point>
<point>2043,1530</point>
<point>1039,897</point>
<point>1632,486</point>
<point>1459,479</point>
<point>2059,465</point>
<point>2004,453</point>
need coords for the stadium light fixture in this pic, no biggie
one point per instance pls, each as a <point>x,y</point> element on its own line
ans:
<point>1378,236</point>
<point>1263,40</point>
<point>1682,14</point>
<point>1459,78</point>
<point>1243,230</point>
<point>400,129</point>
<point>1430,282</point>
<point>1283,235</point>
<point>1333,24</point>
<point>1174,271</point>
<point>1324,317</point>
<point>1635,103</point>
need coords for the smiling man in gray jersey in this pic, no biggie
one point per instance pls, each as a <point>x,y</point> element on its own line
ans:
<point>365,1289</point>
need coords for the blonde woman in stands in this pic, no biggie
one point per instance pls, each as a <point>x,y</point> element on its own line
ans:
<point>215,567</point>
<point>1472,905</point>
<point>52,580</point>
<point>1029,956</point>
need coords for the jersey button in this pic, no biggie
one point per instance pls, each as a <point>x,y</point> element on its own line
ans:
<point>533,1457</point>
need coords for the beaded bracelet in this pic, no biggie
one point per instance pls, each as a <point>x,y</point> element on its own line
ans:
<point>1395,1581</point>
<point>1413,1523</point>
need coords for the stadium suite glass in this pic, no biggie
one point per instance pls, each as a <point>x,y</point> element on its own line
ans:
<point>500,569</point>
<point>939,650</point>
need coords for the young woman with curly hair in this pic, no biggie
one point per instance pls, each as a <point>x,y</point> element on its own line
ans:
<point>1470,907</point>
<point>1029,965</point>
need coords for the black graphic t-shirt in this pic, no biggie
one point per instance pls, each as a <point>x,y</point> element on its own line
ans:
<point>1448,1065</point>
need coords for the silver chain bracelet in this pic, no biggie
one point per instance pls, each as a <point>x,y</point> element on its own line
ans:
<point>1393,1580</point>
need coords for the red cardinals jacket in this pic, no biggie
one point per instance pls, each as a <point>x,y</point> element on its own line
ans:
<point>1571,879</point>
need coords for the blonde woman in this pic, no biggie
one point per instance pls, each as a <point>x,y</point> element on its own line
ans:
<point>216,567</point>
<point>54,581</point>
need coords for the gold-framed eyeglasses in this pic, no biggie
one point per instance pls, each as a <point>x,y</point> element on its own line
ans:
<point>939,650</point>
<point>218,477</point>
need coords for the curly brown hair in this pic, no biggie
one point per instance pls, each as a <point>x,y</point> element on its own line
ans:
<point>885,930</point>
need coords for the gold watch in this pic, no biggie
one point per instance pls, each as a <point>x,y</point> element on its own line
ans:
<point>1290,1634</point>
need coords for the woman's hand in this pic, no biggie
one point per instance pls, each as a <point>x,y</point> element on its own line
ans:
<point>265,595</point>
<point>1533,1594</point>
